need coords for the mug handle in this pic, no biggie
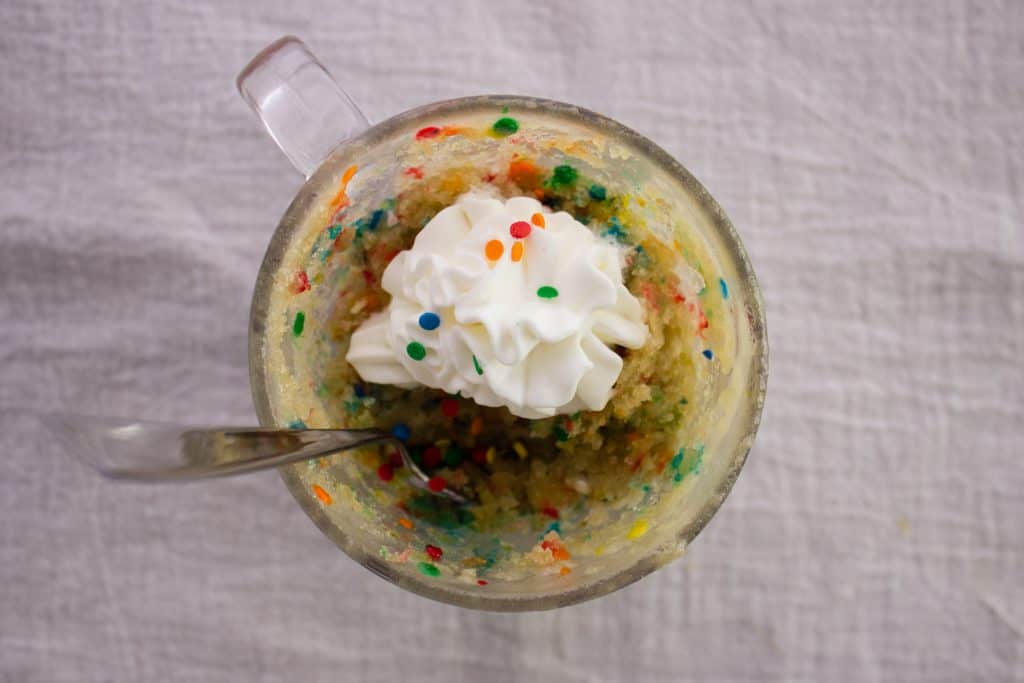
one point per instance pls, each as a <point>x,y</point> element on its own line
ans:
<point>302,107</point>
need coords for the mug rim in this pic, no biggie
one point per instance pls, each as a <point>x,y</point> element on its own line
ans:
<point>719,222</point>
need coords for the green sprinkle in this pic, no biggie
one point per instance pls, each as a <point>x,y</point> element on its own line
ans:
<point>677,459</point>
<point>476,366</point>
<point>505,126</point>
<point>335,230</point>
<point>416,351</point>
<point>547,292</point>
<point>453,456</point>
<point>563,175</point>
<point>300,322</point>
<point>695,466</point>
<point>429,569</point>
<point>678,478</point>
<point>560,433</point>
<point>504,110</point>
<point>597,192</point>
<point>296,424</point>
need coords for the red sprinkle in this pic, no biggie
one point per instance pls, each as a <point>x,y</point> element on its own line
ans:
<point>432,457</point>
<point>479,455</point>
<point>520,229</point>
<point>450,407</point>
<point>300,283</point>
<point>434,552</point>
<point>428,132</point>
<point>368,276</point>
<point>415,171</point>
<point>679,298</point>
<point>550,512</point>
<point>395,459</point>
<point>386,472</point>
<point>436,484</point>
<point>481,582</point>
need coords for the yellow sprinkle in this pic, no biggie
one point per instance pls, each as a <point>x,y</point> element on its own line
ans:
<point>476,426</point>
<point>638,530</point>
<point>491,453</point>
<point>443,443</point>
<point>599,551</point>
<point>520,450</point>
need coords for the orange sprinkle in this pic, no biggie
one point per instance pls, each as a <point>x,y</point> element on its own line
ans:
<point>476,426</point>
<point>537,219</point>
<point>558,551</point>
<point>405,522</point>
<point>523,171</point>
<point>517,251</point>
<point>340,200</point>
<point>494,249</point>
<point>633,437</point>
<point>564,570</point>
<point>324,497</point>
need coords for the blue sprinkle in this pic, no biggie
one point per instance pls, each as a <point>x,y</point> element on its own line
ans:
<point>360,391</point>
<point>708,354</point>
<point>401,431</point>
<point>430,321</point>
<point>296,424</point>
<point>335,230</point>
<point>724,287</point>
<point>555,526</point>
<point>375,218</point>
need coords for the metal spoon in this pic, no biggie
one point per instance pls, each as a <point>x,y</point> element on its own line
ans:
<point>151,452</point>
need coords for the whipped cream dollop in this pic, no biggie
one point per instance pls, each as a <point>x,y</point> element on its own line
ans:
<point>509,305</point>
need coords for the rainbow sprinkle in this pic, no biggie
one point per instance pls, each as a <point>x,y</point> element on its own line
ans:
<point>638,530</point>
<point>547,292</point>
<point>520,230</point>
<point>430,321</point>
<point>494,249</point>
<point>416,351</point>
<point>429,569</point>
<point>505,126</point>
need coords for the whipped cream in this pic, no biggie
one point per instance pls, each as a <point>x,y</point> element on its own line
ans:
<point>509,305</point>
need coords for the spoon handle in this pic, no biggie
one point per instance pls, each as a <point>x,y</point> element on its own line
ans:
<point>142,451</point>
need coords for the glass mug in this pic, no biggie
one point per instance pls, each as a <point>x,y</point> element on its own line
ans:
<point>331,143</point>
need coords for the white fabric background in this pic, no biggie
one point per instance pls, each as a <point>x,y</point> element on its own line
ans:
<point>870,154</point>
